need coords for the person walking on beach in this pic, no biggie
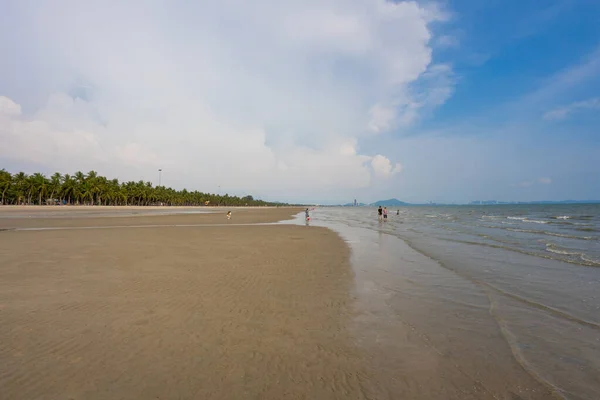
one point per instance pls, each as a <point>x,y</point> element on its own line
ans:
<point>228,214</point>
<point>307,216</point>
<point>385,213</point>
<point>380,213</point>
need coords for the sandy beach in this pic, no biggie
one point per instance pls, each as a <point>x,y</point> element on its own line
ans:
<point>82,216</point>
<point>176,312</point>
<point>129,303</point>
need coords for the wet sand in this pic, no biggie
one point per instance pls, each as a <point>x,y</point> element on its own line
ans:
<point>177,312</point>
<point>146,308</point>
<point>81,216</point>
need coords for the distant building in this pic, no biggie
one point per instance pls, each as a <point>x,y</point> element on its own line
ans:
<point>355,203</point>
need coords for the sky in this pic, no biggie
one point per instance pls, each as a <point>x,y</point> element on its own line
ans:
<point>321,101</point>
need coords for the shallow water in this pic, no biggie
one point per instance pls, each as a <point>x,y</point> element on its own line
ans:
<point>481,283</point>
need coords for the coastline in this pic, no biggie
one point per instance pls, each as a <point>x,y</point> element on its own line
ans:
<point>430,333</point>
<point>197,306</point>
<point>212,312</point>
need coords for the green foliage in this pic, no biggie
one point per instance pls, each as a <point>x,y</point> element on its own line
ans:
<point>93,189</point>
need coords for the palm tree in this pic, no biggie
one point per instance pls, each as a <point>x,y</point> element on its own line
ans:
<point>29,188</point>
<point>92,179</point>
<point>86,191</point>
<point>100,187</point>
<point>123,194</point>
<point>95,189</point>
<point>19,183</point>
<point>39,184</point>
<point>56,182</point>
<point>67,189</point>
<point>92,175</point>
<point>79,177</point>
<point>5,183</point>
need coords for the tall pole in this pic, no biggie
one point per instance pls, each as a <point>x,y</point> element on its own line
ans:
<point>159,173</point>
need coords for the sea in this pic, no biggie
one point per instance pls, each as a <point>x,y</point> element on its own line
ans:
<point>488,287</point>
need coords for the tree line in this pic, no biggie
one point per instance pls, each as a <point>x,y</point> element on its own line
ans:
<point>93,189</point>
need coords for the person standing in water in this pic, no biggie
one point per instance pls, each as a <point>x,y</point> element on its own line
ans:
<point>397,212</point>
<point>385,213</point>
<point>307,216</point>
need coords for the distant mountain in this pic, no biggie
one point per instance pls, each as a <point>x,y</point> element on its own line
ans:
<point>390,203</point>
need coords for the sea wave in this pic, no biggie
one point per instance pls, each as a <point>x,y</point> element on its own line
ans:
<point>525,219</point>
<point>492,216</point>
<point>583,217</point>
<point>562,235</point>
<point>590,260</point>
<point>581,259</point>
<point>552,248</point>
<point>587,229</point>
<point>586,259</point>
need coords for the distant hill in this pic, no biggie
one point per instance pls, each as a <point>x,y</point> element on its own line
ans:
<point>390,203</point>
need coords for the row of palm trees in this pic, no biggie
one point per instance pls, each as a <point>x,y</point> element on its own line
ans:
<point>93,189</point>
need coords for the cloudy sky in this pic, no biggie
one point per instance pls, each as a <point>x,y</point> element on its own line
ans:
<point>316,100</point>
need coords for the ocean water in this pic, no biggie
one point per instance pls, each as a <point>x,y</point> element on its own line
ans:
<point>487,286</point>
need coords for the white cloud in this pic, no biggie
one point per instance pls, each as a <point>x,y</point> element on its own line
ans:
<point>383,167</point>
<point>349,148</point>
<point>564,112</point>
<point>47,137</point>
<point>266,98</point>
<point>9,107</point>
<point>545,181</point>
<point>433,88</point>
<point>382,118</point>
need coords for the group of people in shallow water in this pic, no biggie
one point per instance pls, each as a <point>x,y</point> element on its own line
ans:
<point>382,213</point>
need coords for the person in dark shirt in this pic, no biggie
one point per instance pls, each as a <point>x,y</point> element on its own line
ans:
<point>380,213</point>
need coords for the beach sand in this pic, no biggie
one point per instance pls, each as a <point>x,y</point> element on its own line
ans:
<point>65,216</point>
<point>176,312</point>
<point>142,309</point>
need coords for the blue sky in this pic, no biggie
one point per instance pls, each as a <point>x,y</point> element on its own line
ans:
<point>321,101</point>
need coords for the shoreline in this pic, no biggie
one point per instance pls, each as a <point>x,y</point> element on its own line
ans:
<point>222,312</point>
<point>452,345</point>
<point>215,308</point>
